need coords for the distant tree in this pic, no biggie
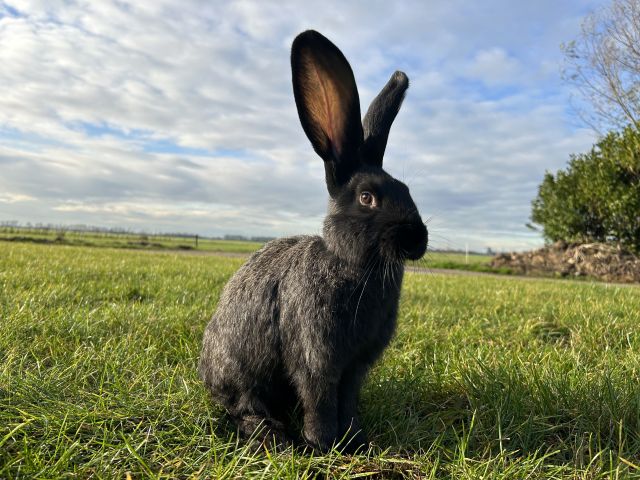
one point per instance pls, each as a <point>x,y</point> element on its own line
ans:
<point>597,197</point>
<point>235,237</point>
<point>261,239</point>
<point>603,63</point>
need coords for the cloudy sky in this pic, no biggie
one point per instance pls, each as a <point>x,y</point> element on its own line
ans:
<point>179,116</point>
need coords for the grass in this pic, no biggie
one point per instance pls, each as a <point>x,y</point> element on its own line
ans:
<point>472,262</point>
<point>486,378</point>
<point>448,260</point>
<point>124,240</point>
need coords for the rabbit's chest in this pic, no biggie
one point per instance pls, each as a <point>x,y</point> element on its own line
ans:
<point>372,317</point>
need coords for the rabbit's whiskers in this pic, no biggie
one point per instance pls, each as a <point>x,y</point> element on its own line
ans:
<point>355,315</point>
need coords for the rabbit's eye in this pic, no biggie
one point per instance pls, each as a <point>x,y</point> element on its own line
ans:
<point>367,199</point>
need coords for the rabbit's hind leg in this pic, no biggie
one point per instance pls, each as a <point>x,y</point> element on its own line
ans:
<point>256,422</point>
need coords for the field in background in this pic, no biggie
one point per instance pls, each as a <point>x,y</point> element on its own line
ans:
<point>125,240</point>
<point>487,377</point>
<point>449,260</point>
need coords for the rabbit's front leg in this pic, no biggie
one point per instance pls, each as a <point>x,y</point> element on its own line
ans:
<point>348,423</point>
<point>319,398</point>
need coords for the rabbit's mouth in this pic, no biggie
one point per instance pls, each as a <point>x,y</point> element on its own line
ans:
<point>412,240</point>
<point>405,241</point>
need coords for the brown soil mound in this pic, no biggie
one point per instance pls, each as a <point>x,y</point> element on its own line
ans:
<point>605,262</point>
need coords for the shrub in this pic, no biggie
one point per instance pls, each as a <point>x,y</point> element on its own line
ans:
<point>597,197</point>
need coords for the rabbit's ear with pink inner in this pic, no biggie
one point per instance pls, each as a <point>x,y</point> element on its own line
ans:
<point>380,115</point>
<point>328,105</point>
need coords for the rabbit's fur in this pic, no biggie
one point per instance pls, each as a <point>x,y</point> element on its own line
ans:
<point>303,320</point>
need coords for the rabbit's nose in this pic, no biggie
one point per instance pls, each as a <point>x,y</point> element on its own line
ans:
<point>412,240</point>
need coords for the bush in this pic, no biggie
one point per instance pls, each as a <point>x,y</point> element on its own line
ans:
<point>597,197</point>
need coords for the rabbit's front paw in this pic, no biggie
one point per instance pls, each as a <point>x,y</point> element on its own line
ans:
<point>321,440</point>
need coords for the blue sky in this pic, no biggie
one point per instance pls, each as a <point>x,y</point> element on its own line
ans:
<point>179,116</point>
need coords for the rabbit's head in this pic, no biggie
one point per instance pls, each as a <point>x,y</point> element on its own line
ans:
<point>370,212</point>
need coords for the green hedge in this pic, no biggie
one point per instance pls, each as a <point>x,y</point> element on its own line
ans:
<point>597,197</point>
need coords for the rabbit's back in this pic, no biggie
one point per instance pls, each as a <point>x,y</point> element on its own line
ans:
<point>242,338</point>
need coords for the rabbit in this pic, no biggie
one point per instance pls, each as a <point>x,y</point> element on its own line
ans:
<point>304,319</point>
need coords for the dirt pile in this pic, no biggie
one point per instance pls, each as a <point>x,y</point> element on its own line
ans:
<point>602,261</point>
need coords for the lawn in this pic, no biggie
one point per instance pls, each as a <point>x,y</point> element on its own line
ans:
<point>487,377</point>
<point>434,259</point>
<point>138,241</point>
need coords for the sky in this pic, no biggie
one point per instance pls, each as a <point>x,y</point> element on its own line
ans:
<point>178,116</point>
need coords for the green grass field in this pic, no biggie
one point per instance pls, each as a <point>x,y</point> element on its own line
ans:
<point>457,261</point>
<point>487,377</point>
<point>124,240</point>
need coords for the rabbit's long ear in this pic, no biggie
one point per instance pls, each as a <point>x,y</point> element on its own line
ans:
<point>381,114</point>
<point>328,105</point>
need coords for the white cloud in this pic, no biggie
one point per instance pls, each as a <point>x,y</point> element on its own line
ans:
<point>15,197</point>
<point>180,115</point>
<point>495,67</point>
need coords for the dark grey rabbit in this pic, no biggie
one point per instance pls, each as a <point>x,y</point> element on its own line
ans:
<point>305,318</point>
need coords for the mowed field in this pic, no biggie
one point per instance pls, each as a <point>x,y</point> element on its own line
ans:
<point>486,378</point>
<point>187,244</point>
<point>125,240</point>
